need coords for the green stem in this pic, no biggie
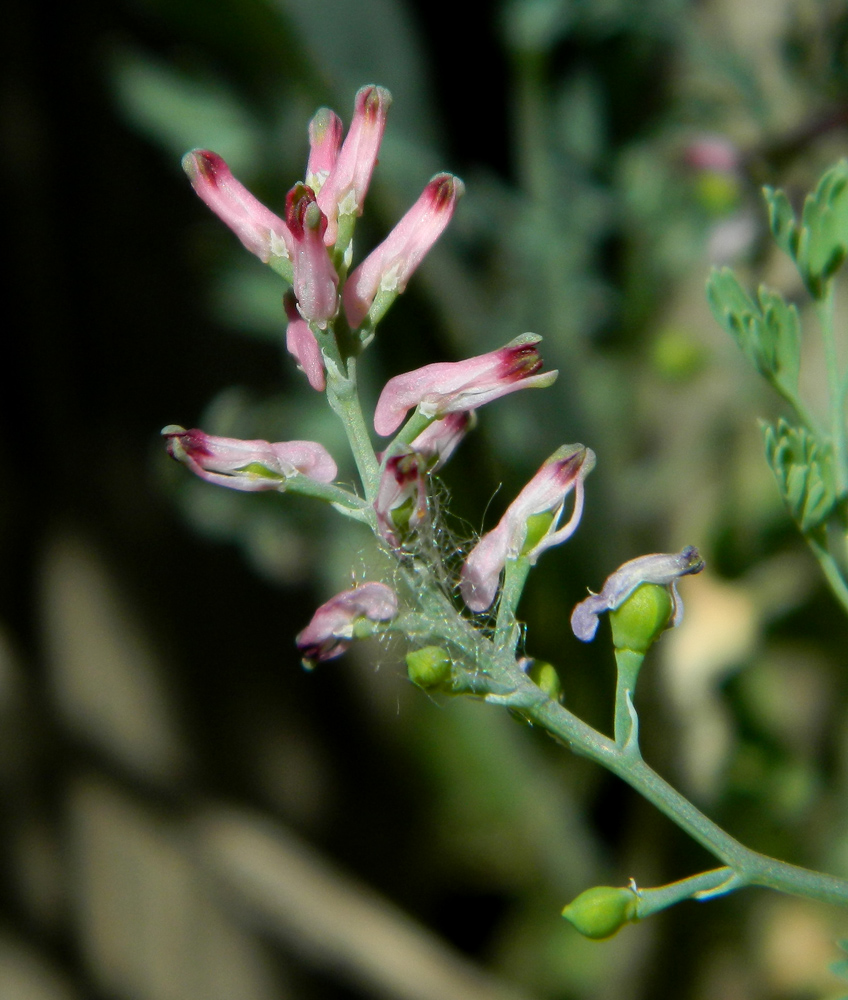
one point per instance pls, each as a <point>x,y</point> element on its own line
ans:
<point>704,886</point>
<point>830,569</point>
<point>343,397</point>
<point>825,311</point>
<point>515,576</point>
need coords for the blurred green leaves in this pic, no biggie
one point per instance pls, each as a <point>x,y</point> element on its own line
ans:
<point>819,244</point>
<point>803,468</point>
<point>767,330</point>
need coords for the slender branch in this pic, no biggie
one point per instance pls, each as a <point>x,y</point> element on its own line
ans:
<point>824,311</point>
<point>751,867</point>
<point>830,569</point>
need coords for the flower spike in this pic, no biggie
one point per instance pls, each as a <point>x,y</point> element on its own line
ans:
<point>384,273</point>
<point>343,192</point>
<point>248,465</point>
<point>332,627</point>
<point>660,568</point>
<point>546,492</point>
<point>260,230</point>
<point>456,386</point>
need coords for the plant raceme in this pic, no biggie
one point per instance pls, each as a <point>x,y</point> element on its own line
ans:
<point>461,626</point>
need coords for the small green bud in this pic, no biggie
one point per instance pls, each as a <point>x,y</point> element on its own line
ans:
<point>545,676</point>
<point>642,618</point>
<point>430,668</point>
<point>601,911</point>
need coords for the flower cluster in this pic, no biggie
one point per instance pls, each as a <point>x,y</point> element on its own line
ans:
<point>331,317</point>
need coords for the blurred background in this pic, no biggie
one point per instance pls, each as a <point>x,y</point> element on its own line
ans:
<point>184,812</point>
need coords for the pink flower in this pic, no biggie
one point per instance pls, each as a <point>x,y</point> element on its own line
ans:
<point>332,627</point>
<point>436,443</point>
<point>325,136</point>
<point>315,281</point>
<point>385,272</point>
<point>262,232</point>
<point>248,465</point>
<point>401,500</point>
<point>343,192</point>
<point>454,386</point>
<point>301,343</point>
<point>658,568</point>
<point>563,472</point>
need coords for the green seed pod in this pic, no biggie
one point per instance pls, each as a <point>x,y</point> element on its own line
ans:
<point>538,526</point>
<point>642,618</point>
<point>546,677</point>
<point>430,668</point>
<point>601,911</point>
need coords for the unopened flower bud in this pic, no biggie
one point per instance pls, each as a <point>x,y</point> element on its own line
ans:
<point>343,192</point>
<point>601,911</point>
<point>430,668</point>
<point>315,280</point>
<point>544,675</point>
<point>259,229</point>
<point>325,136</point>
<point>334,624</point>
<point>384,273</point>
<point>248,465</point>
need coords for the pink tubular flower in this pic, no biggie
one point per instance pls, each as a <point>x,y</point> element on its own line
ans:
<point>325,136</point>
<point>262,232</point>
<point>388,268</point>
<point>248,465</point>
<point>315,281</point>
<point>401,500</point>
<point>563,472</point>
<point>436,443</point>
<point>660,568</point>
<point>332,627</point>
<point>454,386</point>
<point>301,343</point>
<point>343,192</point>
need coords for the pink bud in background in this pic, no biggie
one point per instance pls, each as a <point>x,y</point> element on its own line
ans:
<point>389,267</point>
<point>436,443</point>
<point>454,386</point>
<point>331,630</point>
<point>325,136</point>
<point>315,281</point>
<point>262,232</point>
<point>401,500</point>
<point>660,568</point>
<point>344,190</point>
<point>301,343</point>
<point>248,465</point>
<point>546,492</point>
